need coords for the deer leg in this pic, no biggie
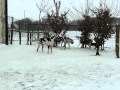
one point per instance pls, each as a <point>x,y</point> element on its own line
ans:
<point>61,45</point>
<point>51,49</point>
<point>90,46</point>
<point>64,45</point>
<point>103,46</point>
<point>42,47</point>
<point>95,46</point>
<point>48,49</point>
<point>97,52</point>
<point>69,45</point>
<point>38,47</point>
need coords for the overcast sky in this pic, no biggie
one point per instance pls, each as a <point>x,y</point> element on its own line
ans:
<point>16,8</point>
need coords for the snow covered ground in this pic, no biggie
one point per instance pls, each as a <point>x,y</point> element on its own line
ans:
<point>22,68</point>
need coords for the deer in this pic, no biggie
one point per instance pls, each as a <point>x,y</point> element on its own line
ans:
<point>47,41</point>
<point>65,40</point>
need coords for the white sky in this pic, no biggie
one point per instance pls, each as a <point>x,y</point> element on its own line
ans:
<point>16,8</point>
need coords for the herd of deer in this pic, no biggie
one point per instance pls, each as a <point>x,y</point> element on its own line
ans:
<point>63,39</point>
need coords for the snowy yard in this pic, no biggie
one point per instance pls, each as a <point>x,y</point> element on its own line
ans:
<point>22,68</point>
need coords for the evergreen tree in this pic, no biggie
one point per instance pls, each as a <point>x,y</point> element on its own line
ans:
<point>103,25</point>
<point>86,26</point>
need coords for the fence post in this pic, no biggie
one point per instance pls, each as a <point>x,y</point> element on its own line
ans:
<point>12,31</point>
<point>19,34</point>
<point>117,40</point>
<point>20,37</point>
<point>28,37</point>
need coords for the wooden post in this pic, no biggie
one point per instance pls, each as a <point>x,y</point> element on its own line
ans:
<point>12,31</point>
<point>30,38</point>
<point>117,40</point>
<point>19,34</point>
<point>32,35</point>
<point>20,37</point>
<point>38,34</point>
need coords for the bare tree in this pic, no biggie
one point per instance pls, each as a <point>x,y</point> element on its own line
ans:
<point>43,7</point>
<point>57,21</point>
